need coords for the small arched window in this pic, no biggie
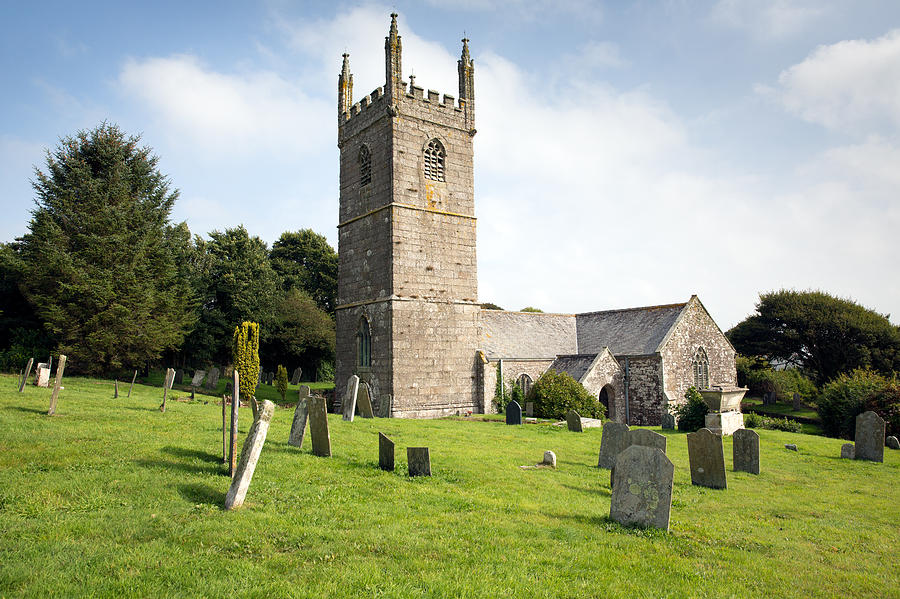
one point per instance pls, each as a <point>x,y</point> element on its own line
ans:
<point>363,344</point>
<point>701,369</point>
<point>434,160</point>
<point>365,166</point>
<point>524,382</point>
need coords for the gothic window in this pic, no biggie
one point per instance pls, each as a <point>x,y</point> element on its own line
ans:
<point>363,344</point>
<point>365,166</point>
<point>434,160</point>
<point>701,369</point>
<point>524,382</point>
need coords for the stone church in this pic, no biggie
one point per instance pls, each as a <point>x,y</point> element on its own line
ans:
<point>408,318</point>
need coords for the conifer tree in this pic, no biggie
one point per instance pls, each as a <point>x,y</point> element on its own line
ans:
<point>245,354</point>
<point>281,381</point>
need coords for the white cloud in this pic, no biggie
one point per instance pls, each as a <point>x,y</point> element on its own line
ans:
<point>601,55</point>
<point>769,19</point>
<point>846,85</point>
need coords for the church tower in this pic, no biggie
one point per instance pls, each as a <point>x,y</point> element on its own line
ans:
<point>408,321</point>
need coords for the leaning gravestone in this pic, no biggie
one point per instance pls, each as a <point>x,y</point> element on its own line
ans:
<point>642,488</point>
<point>25,375</point>
<point>869,438</point>
<point>573,421</point>
<point>706,455</point>
<point>295,379</point>
<point>199,375</point>
<point>301,414</point>
<point>847,451</point>
<point>892,442</point>
<point>318,427</point>
<point>364,401</point>
<point>385,453</point>
<point>529,409</point>
<point>419,461</point>
<point>243,474</point>
<point>513,413</point>
<point>42,375</point>
<point>645,438</point>
<point>60,368</point>
<point>668,421</point>
<point>178,377</point>
<point>745,451</point>
<point>212,379</point>
<point>613,442</point>
<point>349,404</point>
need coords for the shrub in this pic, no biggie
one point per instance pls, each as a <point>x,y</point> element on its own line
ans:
<point>245,355</point>
<point>752,420</point>
<point>761,380</point>
<point>325,372</point>
<point>501,392</point>
<point>516,394</point>
<point>885,401</point>
<point>692,413</point>
<point>555,393</point>
<point>844,398</point>
<point>281,381</point>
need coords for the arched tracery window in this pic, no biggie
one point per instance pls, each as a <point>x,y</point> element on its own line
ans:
<point>363,344</point>
<point>701,369</point>
<point>365,166</point>
<point>434,160</point>
<point>524,382</point>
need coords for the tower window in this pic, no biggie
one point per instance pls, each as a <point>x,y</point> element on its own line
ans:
<point>434,160</point>
<point>363,344</point>
<point>365,166</point>
<point>701,369</point>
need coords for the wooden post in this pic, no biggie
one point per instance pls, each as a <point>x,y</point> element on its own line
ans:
<point>233,437</point>
<point>25,376</point>
<point>132,383</point>
<point>116,392</point>
<point>224,432</point>
<point>59,374</point>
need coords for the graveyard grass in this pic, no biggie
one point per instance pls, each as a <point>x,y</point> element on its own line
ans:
<point>111,498</point>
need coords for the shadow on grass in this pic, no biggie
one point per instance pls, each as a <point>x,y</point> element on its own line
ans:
<point>202,494</point>
<point>182,452</point>
<point>591,490</point>
<point>29,410</point>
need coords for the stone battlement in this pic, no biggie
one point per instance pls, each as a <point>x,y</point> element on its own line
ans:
<point>413,92</point>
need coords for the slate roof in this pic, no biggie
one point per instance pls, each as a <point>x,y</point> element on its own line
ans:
<point>527,334</point>
<point>576,366</point>
<point>628,332</point>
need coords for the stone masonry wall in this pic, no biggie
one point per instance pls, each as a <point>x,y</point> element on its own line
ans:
<point>379,375</point>
<point>608,372</point>
<point>645,393</point>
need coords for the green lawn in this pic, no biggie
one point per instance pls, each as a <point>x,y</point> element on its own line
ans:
<point>780,409</point>
<point>263,391</point>
<point>111,498</point>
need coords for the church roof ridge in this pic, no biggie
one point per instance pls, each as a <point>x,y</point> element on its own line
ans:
<point>635,309</point>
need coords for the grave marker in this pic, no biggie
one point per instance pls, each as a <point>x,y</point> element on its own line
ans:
<point>612,443</point>
<point>212,379</point>
<point>132,383</point>
<point>668,421</point>
<point>869,437</point>
<point>848,452</point>
<point>250,453</point>
<point>745,451</point>
<point>573,421</point>
<point>349,403</point>
<point>295,378</point>
<point>642,488</point>
<point>42,375</point>
<point>25,375</point>
<point>199,375</point>
<point>318,427</point>
<point>364,401</point>
<point>385,453</point>
<point>301,415</point>
<point>892,442</point>
<point>270,378</point>
<point>419,461</point>
<point>178,378</point>
<point>513,413</point>
<point>233,434</point>
<point>116,390</point>
<point>706,455</point>
<point>529,409</point>
<point>167,384</point>
<point>646,438</point>
<point>56,386</point>
<point>798,402</point>
<point>224,430</point>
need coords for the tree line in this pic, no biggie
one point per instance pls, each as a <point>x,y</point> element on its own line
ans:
<point>104,276</point>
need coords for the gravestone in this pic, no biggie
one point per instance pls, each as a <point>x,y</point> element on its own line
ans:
<point>549,459</point>
<point>250,453</point>
<point>199,375</point>
<point>364,401</point>
<point>848,452</point>
<point>212,379</point>
<point>613,442</point>
<point>385,453</point>
<point>386,406</point>
<point>798,402</point>
<point>60,368</point>
<point>133,378</point>
<point>233,434</point>
<point>869,438</point>
<point>42,375</point>
<point>573,421</point>
<point>25,375</point>
<point>646,438</point>
<point>295,378</point>
<point>745,451</point>
<point>706,455</point>
<point>167,384</point>
<point>513,413</point>
<point>177,378</point>
<point>262,376</point>
<point>349,403</point>
<point>642,488</point>
<point>270,378</point>
<point>892,442</point>
<point>529,409</point>
<point>770,398</point>
<point>116,390</point>
<point>419,461</point>
<point>668,421</point>
<point>318,427</point>
<point>791,446</point>
<point>301,414</point>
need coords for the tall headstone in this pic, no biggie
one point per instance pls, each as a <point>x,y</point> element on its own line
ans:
<point>198,377</point>
<point>529,409</point>
<point>349,403</point>
<point>646,438</point>
<point>301,414</point>
<point>364,401</point>
<point>869,438</point>
<point>178,377</point>
<point>295,378</point>
<point>385,453</point>
<point>745,451</point>
<point>612,443</point>
<point>668,421</point>
<point>642,488</point>
<point>798,402</point>
<point>233,434</point>
<point>513,413</point>
<point>42,375</point>
<point>167,384</point>
<point>212,379</point>
<point>60,368</point>
<point>318,427</point>
<point>250,453</point>
<point>573,421</point>
<point>116,390</point>
<point>133,378</point>
<point>25,375</point>
<point>419,461</point>
<point>270,378</point>
<point>706,455</point>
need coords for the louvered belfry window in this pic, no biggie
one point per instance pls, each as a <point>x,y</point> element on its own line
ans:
<point>434,160</point>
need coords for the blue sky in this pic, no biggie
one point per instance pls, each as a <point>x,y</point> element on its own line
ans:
<point>627,153</point>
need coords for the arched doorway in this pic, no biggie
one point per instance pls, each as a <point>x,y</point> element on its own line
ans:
<point>607,398</point>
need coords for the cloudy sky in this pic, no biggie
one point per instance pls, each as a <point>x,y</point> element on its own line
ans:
<point>627,153</point>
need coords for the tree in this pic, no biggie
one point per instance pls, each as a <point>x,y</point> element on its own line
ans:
<point>530,309</point>
<point>22,333</point>
<point>822,334</point>
<point>245,356</point>
<point>306,261</point>
<point>99,262</point>
<point>303,334</point>
<point>281,381</point>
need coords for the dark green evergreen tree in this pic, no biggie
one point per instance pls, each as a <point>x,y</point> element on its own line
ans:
<point>306,261</point>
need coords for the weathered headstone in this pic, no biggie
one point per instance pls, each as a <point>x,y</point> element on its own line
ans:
<point>177,378</point>
<point>42,375</point>
<point>295,378</point>
<point>848,451</point>
<point>364,401</point>
<point>573,421</point>
<point>349,403</point>
<point>270,378</point>
<point>770,398</point>
<point>167,384</point>
<point>133,378</point>
<point>419,461</point>
<point>318,427</point>
<point>642,488</point>
<point>791,446</point>
<point>706,455</point>
<point>301,414</point>
<point>869,438</point>
<point>212,379</point>
<point>60,368</point>
<point>745,451</point>
<point>224,430</point>
<point>892,442</point>
<point>513,413</point>
<point>646,438</point>
<point>797,402</point>
<point>549,459</point>
<point>529,409</point>
<point>386,407</point>
<point>198,377</point>
<point>116,390</point>
<point>240,483</point>
<point>613,442</point>
<point>385,453</point>
<point>233,434</point>
<point>668,421</point>
<point>25,375</point>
